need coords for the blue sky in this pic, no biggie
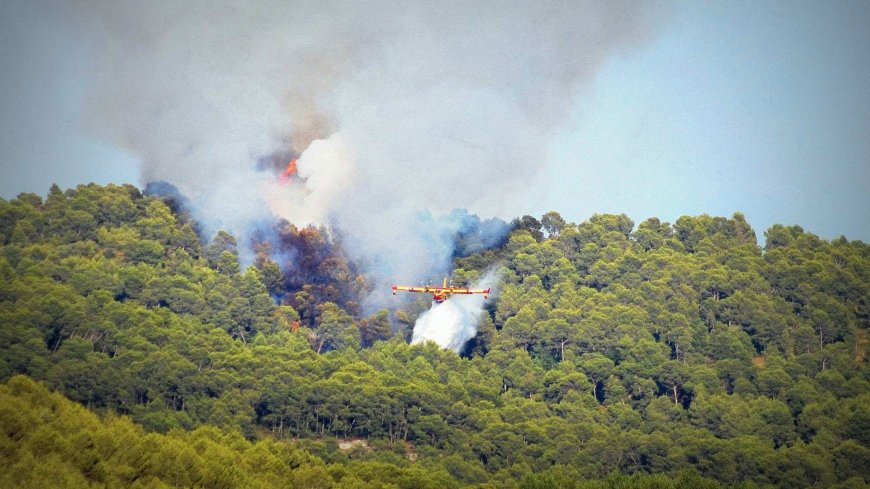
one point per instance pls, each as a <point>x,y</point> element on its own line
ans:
<point>757,107</point>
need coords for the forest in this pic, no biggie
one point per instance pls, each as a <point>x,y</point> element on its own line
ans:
<point>134,351</point>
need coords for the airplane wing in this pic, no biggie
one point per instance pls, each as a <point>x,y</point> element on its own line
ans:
<point>440,291</point>
<point>462,290</point>
<point>406,288</point>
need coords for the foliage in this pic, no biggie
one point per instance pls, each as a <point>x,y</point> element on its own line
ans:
<point>610,353</point>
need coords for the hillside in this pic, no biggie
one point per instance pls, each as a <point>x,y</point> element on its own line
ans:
<point>609,349</point>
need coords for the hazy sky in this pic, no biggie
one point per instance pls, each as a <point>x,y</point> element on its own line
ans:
<point>758,107</point>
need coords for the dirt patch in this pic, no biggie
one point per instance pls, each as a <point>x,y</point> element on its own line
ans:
<point>409,450</point>
<point>349,444</point>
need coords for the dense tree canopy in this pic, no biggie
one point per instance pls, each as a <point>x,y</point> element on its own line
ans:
<point>609,353</point>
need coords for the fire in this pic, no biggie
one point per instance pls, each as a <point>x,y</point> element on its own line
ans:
<point>289,172</point>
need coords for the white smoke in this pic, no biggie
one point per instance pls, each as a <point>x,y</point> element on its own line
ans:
<point>453,322</point>
<point>328,165</point>
<point>413,107</point>
<point>449,324</point>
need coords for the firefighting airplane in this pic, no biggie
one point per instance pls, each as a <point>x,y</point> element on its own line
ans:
<point>440,294</point>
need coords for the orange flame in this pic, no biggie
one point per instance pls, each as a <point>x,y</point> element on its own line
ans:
<point>288,172</point>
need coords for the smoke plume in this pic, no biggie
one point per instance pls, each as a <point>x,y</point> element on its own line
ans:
<point>397,109</point>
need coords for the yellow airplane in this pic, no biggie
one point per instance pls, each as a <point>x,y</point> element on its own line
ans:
<point>440,294</point>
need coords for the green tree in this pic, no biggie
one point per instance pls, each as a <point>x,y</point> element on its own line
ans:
<point>375,328</point>
<point>552,223</point>
<point>597,368</point>
<point>335,329</point>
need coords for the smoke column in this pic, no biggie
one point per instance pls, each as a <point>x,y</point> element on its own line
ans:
<point>398,108</point>
<point>453,322</point>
